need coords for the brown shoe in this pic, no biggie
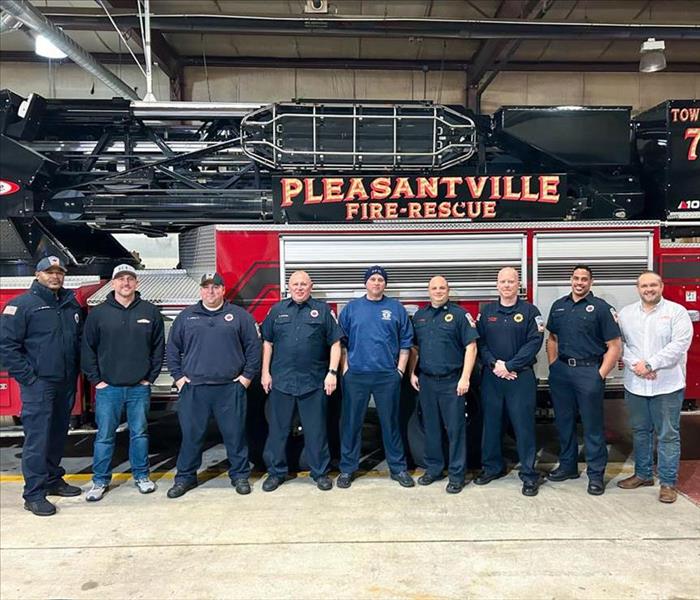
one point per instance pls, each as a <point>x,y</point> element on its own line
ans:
<point>632,483</point>
<point>667,494</point>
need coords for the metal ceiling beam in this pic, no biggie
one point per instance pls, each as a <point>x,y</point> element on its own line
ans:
<point>381,27</point>
<point>166,56</point>
<point>253,62</point>
<point>33,19</point>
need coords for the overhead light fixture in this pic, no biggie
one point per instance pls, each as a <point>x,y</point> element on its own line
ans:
<point>653,58</point>
<point>44,47</point>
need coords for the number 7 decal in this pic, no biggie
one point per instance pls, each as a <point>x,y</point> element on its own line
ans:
<point>693,134</point>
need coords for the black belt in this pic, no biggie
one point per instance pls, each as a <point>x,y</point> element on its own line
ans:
<point>581,362</point>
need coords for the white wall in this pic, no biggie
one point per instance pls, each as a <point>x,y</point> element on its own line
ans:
<point>67,80</point>
<point>639,90</point>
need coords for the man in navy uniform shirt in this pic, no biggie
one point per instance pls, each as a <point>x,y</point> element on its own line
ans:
<point>582,348</point>
<point>379,338</point>
<point>511,332</point>
<point>40,342</point>
<point>213,354</point>
<point>441,364</point>
<point>301,352</point>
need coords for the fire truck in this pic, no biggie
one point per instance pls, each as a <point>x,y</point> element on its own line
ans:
<point>256,192</point>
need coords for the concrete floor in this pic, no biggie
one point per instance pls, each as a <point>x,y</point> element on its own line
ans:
<point>375,540</point>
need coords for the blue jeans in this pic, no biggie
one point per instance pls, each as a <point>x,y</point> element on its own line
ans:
<point>109,406</point>
<point>659,414</point>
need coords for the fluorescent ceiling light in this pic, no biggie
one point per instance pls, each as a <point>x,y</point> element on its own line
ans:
<point>653,58</point>
<point>43,47</point>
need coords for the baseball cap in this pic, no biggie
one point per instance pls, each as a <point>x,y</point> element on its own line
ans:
<point>119,269</point>
<point>214,278</point>
<point>376,270</point>
<point>48,262</point>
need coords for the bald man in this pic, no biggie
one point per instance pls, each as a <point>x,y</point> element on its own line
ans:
<point>301,352</point>
<point>511,332</point>
<point>441,364</point>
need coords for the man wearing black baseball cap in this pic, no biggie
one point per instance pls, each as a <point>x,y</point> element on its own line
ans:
<point>40,345</point>
<point>213,354</point>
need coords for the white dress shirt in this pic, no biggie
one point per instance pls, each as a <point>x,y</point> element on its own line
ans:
<point>660,337</point>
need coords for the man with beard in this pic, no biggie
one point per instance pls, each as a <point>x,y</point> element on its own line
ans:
<point>656,334</point>
<point>582,348</point>
<point>40,342</point>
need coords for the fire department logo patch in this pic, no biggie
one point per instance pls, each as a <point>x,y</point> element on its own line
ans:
<point>228,317</point>
<point>518,317</point>
<point>448,318</point>
<point>314,313</point>
<point>590,308</point>
<point>386,315</point>
<point>54,260</point>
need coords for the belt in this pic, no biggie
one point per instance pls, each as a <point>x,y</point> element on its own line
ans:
<point>582,362</point>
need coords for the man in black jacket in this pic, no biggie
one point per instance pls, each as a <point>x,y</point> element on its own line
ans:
<point>213,355</point>
<point>122,355</point>
<point>40,343</point>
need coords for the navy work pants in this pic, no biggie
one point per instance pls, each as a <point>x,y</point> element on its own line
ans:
<point>227,403</point>
<point>386,389</point>
<point>579,388</point>
<point>518,397</point>
<point>442,409</point>
<point>46,408</point>
<point>312,411</point>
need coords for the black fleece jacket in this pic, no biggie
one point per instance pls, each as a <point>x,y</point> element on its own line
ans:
<point>123,346</point>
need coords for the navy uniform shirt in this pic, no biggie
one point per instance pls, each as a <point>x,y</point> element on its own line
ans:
<point>442,334</point>
<point>301,335</point>
<point>375,330</point>
<point>583,327</point>
<point>213,346</point>
<point>512,334</point>
<point>40,335</point>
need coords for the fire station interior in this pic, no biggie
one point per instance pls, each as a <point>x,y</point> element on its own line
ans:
<point>432,137</point>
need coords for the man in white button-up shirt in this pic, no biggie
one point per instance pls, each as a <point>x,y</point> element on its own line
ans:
<point>656,335</point>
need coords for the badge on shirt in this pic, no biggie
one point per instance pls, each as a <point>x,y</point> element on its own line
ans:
<point>76,316</point>
<point>10,310</point>
<point>448,318</point>
<point>386,315</point>
<point>518,317</point>
<point>590,308</point>
<point>540,323</point>
<point>314,313</point>
<point>613,312</point>
<point>470,319</point>
<point>228,317</point>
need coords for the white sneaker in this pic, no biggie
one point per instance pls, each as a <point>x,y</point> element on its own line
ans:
<point>96,492</point>
<point>145,486</point>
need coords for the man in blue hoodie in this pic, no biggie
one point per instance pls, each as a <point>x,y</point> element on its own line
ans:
<point>213,354</point>
<point>379,337</point>
<point>122,355</point>
<point>40,342</point>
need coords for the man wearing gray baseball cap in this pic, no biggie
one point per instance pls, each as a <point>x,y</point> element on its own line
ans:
<point>40,343</point>
<point>123,346</point>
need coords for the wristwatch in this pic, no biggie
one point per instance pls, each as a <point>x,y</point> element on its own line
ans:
<point>333,371</point>
<point>647,366</point>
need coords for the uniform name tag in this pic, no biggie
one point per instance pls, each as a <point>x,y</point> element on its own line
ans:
<point>143,321</point>
<point>9,310</point>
